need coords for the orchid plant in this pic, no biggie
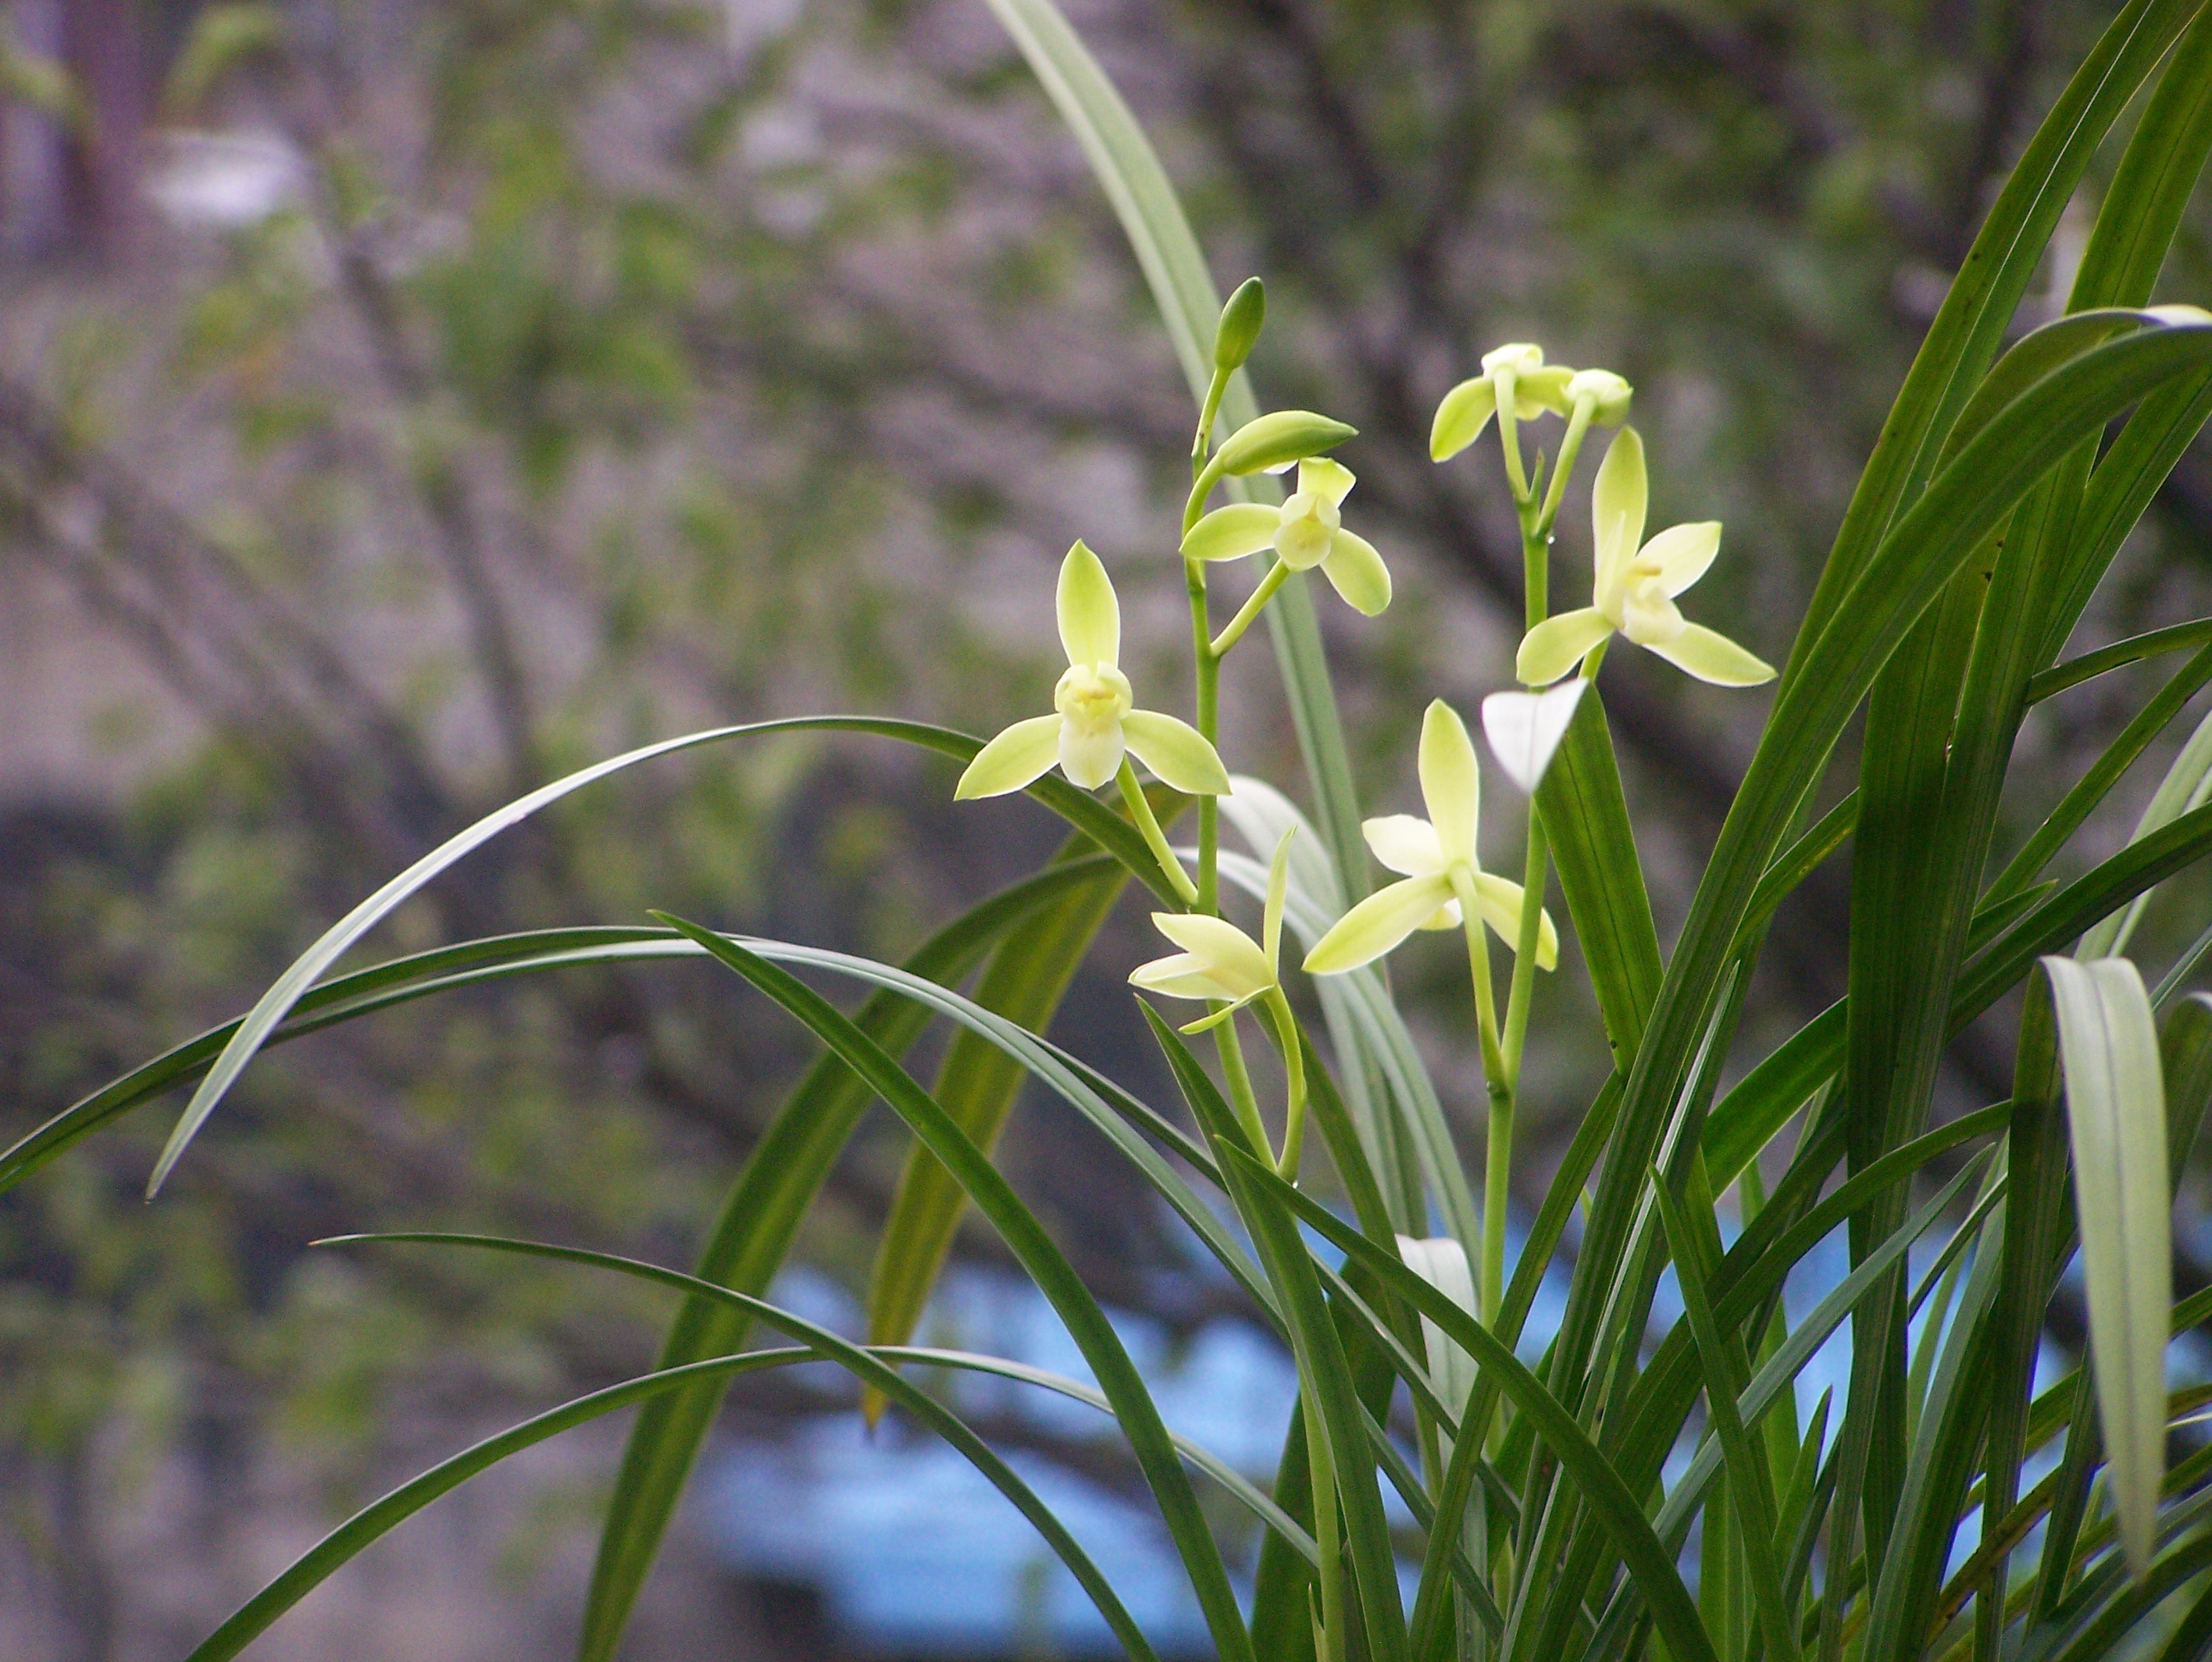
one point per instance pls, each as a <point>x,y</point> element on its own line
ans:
<point>1622,1484</point>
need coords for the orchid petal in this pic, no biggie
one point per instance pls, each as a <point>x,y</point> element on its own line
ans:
<point>1018,756</point>
<point>1089,756</point>
<point>1524,728</point>
<point>1176,752</point>
<point>1233,532</point>
<point>1712,657</point>
<point>1446,917</point>
<point>1405,845</point>
<point>1558,644</point>
<point>1535,390</point>
<point>1465,411</point>
<point>1090,616</point>
<point>1329,480</point>
<point>1682,553</point>
<point>1377,923</point>
<point>1648,617</point>
<point>1230,957</point>
<point>1499,899</point>
<point>1618,497</point>
<point>1356,572</point>
<point>1451,781</point>
<point>1179,975</point>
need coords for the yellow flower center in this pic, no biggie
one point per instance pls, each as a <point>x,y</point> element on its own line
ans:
<point>1309,526</point>
<point>1094,696</point>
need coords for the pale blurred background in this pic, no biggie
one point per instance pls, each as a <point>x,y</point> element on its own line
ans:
<point>402,403</point>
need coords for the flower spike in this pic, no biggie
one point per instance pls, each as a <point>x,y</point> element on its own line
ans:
<point>1438,858</point>
<point>1635,588</point>
<point>1095,724</point>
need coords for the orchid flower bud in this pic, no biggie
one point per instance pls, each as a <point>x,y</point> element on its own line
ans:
<point>1239,328</point>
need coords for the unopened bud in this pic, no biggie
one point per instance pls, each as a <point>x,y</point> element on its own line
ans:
<point>1276,441</point>
<point>1239,327</point>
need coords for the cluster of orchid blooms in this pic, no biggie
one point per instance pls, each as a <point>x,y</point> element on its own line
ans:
<point>1097,727</point>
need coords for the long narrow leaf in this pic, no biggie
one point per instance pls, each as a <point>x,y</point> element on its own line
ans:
<point>1080,810</point>
<point>2116,1113</point>
<point>1086,1323</point>
<point>1656,1575</point>
<point>753,1233</point>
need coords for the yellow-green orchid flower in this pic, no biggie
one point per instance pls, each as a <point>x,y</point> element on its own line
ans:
<point>1635,589</point>
<point>1095,723</point>
<point>1466,408</point>
<point>1306,531</point>
<point>1438,858</point>
<point>1218,960</point>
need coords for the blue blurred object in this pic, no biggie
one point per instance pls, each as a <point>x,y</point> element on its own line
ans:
<point>912,1551</point>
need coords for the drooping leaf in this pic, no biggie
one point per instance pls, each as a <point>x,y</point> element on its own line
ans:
<point>2116,1119</point>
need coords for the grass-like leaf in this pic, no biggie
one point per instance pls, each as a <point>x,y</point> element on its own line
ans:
<point>2116,1116</point>
<point>759,1218</point>
<point>1019,1227</point>
<point>1086,814</point>
<point>1027,977</point>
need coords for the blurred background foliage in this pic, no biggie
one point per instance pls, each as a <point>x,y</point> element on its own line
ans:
<point>402,403</point>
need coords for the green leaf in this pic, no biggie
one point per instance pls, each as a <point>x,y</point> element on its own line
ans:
<point>1750,1489</point>
<point>819,1345</point>
<point>759,1218</point>
<point>2180,637</point>
<point>342,1544</point>
<point>1027,977</point>
<point>1087,815</point>
<point>2185,1060</point>
<point>1616,1506</point>
<point>1086,1323</point>
<point>2187,782</point>
<point>1982,300</point>
<point>1594,845</point>
<point>1325,1386</point>
<point>1920,554</point>
<point>2115,1114</point>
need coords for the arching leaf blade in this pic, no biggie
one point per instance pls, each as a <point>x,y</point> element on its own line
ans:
<point>1084,812</point>
<point>1019,1227</point>
<point>753,1232</point>
<point>2116,1121</point>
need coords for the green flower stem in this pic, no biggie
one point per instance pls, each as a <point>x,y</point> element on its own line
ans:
<point>1239,1080</point>
<point>1249,613</point>
<point>1535,560</point>
<point>1578,421</point>
<point>1140,810</point>
<point>1277,1010</point>
<point>1209,723</point>
<point>1490,1284</point>
<point>1509,432</point>
<point>1536,873</point>
<point>1214,390</point>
